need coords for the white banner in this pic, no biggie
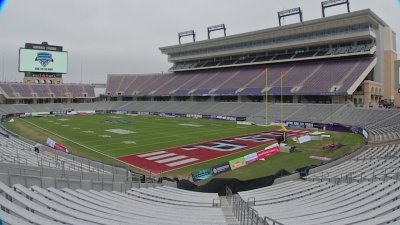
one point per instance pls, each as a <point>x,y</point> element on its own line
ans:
<point>50,142</point>
<point>304,139</point>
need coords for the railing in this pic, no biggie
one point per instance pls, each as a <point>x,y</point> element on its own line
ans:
<point>247,215</point>
<point>13,159</point>
<point>228,193</point>
<point>359,176</point>
<point>69,179</point>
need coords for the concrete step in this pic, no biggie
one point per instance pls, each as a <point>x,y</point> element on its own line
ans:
<point>227,211</point>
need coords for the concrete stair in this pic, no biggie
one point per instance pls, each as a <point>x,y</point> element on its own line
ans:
<point>227,211</point>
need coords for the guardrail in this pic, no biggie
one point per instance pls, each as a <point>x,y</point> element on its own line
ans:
<point>244,213</point>
<point>359,176</point>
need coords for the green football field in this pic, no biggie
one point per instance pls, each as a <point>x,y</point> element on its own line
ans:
<point>105,137</point>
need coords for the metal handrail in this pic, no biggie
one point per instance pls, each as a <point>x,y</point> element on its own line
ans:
<point>246,215</point>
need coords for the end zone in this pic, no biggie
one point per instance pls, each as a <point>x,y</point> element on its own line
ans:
<point>178,157</point>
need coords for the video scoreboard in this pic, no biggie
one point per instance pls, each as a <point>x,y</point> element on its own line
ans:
<point>43,59</point>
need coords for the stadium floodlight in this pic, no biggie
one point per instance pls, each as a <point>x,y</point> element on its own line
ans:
<point>290,12</point>
<point>187,33</point>
<point>215,28</point>
<point>331,3</point>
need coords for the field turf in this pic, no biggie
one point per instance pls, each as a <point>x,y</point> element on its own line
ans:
<point>87,136</point>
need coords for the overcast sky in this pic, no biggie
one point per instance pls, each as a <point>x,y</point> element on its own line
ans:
<point>123,36</point>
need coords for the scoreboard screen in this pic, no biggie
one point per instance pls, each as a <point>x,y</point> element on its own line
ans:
<point>33,60</point>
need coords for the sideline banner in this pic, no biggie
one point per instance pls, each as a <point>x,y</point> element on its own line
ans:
<point>267,152</point>
<point>221,168</point>
<point>55,145</point>
<point>304,139</point>
<point>237,163</point>
<point>320,158</point>
<point>250,158</point>
<point>365,133</point>
<point>202,174</point>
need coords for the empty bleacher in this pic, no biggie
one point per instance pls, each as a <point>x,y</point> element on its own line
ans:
<point>160,205</point>
<point>362,190</point>
<point>310,77</point>
<point>18,152</point>
<point>278,57</point>
<point>22,90</point>
<point>374,163</point>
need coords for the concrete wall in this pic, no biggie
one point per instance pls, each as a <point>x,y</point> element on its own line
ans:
<point>59,183</point>
<point>51,172</point>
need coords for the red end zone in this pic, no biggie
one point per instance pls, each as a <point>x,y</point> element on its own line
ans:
<point>182,156</point>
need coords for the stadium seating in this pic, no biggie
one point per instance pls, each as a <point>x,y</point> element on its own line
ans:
<point>362,190</point>
<point>21,90</point>
<point>315,112</point>
<point>347,203</point>
<point>15,151</point>
<point>347,50</point>
<point>299,78</point>
<point>162,205</point>
<point>374,163</point>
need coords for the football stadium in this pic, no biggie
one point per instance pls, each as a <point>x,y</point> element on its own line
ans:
<point>292,124</point>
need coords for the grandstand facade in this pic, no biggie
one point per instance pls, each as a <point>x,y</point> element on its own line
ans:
<point>347,58</point>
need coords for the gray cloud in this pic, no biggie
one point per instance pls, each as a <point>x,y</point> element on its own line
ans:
<point>123,36</point>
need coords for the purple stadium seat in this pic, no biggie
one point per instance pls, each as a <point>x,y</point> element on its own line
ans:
<point>311,77</point>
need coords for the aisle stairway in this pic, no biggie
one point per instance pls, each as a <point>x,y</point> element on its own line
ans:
<point>227,211</point>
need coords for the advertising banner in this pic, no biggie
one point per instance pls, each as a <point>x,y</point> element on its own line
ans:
<point>250,158</point>
<point>202,174</point>
<point>241,118</point>
<point>321,158</point>
<point>267,152</point>
<point>296,124</point>
<point>244,123</point>
<point>365,133</point>
<point>304,139</point>
<point>319,126</point>
<point>50,142</point>
<point>206,116</point>
<point>221,168</point>
<point>196,116</point>
<point>356,129</point>
<point>338,127</point>
<point>60,147</point>
<point>55,145</point>
<point>299,124</point>
<point>220,117</point>
<point>237,163</point>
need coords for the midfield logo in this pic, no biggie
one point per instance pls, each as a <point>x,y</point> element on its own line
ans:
<point>44,58</point>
